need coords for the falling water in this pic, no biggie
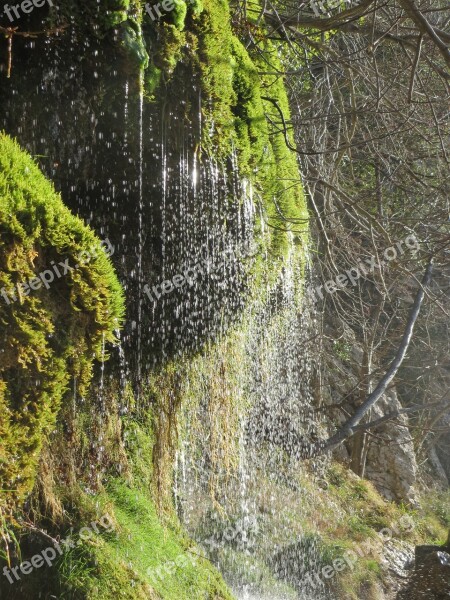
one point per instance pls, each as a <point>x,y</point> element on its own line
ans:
<point>140,233</point>
<point>136,173</point>
<point>277,381</point>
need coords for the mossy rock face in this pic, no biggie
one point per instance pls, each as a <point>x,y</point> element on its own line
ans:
<point>196,50</point>
<point>60,304</point>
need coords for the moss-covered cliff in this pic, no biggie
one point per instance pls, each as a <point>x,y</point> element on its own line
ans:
<point>54,326</point>
<point>234,70</point>
<point>110,446</point>
<point>61,302</point>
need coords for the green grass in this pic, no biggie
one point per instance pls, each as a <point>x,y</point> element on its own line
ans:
<point>145,557</point>
<point>144,546</point>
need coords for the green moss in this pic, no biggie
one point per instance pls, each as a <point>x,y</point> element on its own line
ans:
<point>178,14</point>
<point>152,80</point>
<point>215,63</point>
<point>243,119</point>
<point>132,43</point>
<point>52,334</point>
<point>196,6</point>
<point>144,558</point>
<point>171,42</point>
<point>286,205</point>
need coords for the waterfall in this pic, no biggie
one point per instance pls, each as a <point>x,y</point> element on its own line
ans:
<point>140,273</point>
<point>273,402</point>
<point>136,171</point>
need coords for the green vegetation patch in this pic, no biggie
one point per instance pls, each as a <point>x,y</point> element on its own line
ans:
<point>51,334</point>
<point>141,554</point>
<point>159,558</point>
<point>248,109</point>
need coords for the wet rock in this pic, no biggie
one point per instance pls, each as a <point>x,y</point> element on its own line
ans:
<point>430,579</point>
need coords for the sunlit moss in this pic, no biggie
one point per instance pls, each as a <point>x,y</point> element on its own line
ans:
<point>51,334</point>
<point>244,120</point>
